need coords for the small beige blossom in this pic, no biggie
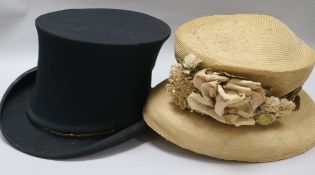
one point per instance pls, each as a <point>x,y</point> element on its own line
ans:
<point>180,84</point>
<point>278,107</point>
<point>265,118</point>
<point>191,62</point>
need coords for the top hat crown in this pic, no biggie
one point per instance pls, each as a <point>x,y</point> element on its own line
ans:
<point>93,77</point>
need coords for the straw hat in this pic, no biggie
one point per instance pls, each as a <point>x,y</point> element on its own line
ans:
<point>256,49</point>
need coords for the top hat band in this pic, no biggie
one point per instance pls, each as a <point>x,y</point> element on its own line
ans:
<point>66,131</point>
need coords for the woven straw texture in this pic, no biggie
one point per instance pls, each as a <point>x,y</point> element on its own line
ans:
<point>202,134</point>
<point>258,47</point>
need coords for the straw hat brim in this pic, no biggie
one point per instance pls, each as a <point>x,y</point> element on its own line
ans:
<point>286,138</point>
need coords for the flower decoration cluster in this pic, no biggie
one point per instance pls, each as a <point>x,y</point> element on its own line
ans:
<point>227,98</point>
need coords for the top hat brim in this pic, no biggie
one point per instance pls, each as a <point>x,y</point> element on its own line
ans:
<point>22,134</point>
<point>290,136</point>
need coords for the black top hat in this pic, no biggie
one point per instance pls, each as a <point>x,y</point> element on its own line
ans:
<point>92,80</point>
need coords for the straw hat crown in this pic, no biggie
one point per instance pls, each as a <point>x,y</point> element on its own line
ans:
<point>258,47</point>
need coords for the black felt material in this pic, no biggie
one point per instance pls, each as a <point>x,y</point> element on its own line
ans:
<point>93,75</point>
<point>84,87</point>
<point>24,136</point>
<point>104,26</point>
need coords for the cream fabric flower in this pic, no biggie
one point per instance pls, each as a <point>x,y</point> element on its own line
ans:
<point>226,98</point>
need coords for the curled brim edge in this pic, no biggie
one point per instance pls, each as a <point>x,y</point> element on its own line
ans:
<point>23,135</point>
<point>202,134</point>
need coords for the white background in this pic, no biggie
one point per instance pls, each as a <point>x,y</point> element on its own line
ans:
<point>147,154</point>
